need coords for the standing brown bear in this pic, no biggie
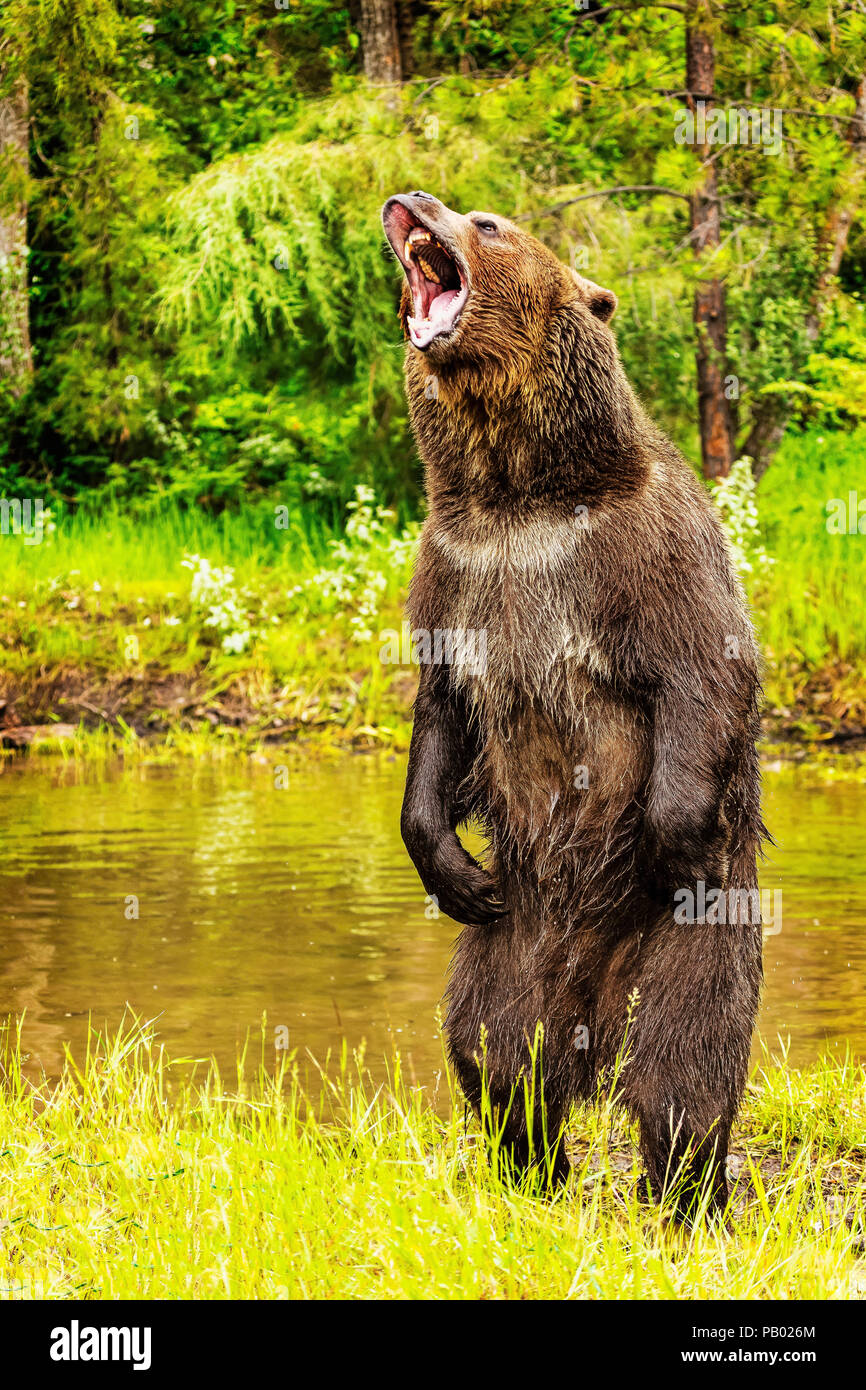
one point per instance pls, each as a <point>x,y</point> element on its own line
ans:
<point>591,697</point>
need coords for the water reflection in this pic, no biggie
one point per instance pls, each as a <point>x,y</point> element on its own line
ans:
<point>300,902</point>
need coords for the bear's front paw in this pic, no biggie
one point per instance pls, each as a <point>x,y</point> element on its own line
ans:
<point>462,888</point>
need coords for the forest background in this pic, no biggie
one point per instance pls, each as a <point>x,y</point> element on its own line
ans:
<point>201,404</point>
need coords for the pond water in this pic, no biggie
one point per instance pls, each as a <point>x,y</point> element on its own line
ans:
<point>299,901</point>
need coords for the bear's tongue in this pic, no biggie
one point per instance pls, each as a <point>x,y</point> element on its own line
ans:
<point>424,327</point>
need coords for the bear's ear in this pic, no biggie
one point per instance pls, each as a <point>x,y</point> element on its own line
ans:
<point>601,302</point>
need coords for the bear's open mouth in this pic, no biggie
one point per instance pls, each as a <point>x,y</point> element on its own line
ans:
<point>438,285</point>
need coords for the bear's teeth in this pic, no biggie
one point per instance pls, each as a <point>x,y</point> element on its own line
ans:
<point>417,234</point>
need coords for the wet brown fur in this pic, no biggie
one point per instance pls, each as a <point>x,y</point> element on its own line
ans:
<point>566,526</point>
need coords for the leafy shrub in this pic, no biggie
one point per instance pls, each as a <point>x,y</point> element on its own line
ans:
<point>215,597</point>
<point>372,563</point>
<point>735,497</point>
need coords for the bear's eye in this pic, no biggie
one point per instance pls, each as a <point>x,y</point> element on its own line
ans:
<point>489,227</point>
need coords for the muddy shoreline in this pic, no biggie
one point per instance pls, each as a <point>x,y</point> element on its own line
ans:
<point>151,703</point>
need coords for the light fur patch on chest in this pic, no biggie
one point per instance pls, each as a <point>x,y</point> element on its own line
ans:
<point>485,544</point>
<point>523,586</point>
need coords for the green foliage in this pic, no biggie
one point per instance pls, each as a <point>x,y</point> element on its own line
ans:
<point>830,388</point>
<point>804,609</point>
<point>365,570</point>
<point>213,311</point>
<point>735,497</point>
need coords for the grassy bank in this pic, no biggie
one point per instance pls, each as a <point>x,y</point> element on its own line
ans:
<point>183,624</point>
<point>254,1190</point>
<point>263,625</point>
<point>808,609</point>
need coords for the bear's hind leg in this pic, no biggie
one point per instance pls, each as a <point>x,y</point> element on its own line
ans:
<point>688,1052</point>
<point>518,1083</point>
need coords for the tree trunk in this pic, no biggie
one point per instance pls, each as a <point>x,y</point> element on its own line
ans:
<point>407,14</point>
<point>16,358</point>
<point>770,418</point>
<point>710,316</point>
<point>380,42</point>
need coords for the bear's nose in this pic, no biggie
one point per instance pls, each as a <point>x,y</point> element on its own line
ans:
<point>419,193</point>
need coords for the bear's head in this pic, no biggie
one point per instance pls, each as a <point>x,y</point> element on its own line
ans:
<point>480,291</point>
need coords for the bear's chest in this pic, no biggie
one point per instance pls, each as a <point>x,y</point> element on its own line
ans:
<point>521,603</point>
<point>531,660</point>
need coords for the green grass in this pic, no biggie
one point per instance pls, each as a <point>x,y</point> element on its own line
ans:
<point>810,613</point>
<point>105,602</point>
<point>123,1179</point>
